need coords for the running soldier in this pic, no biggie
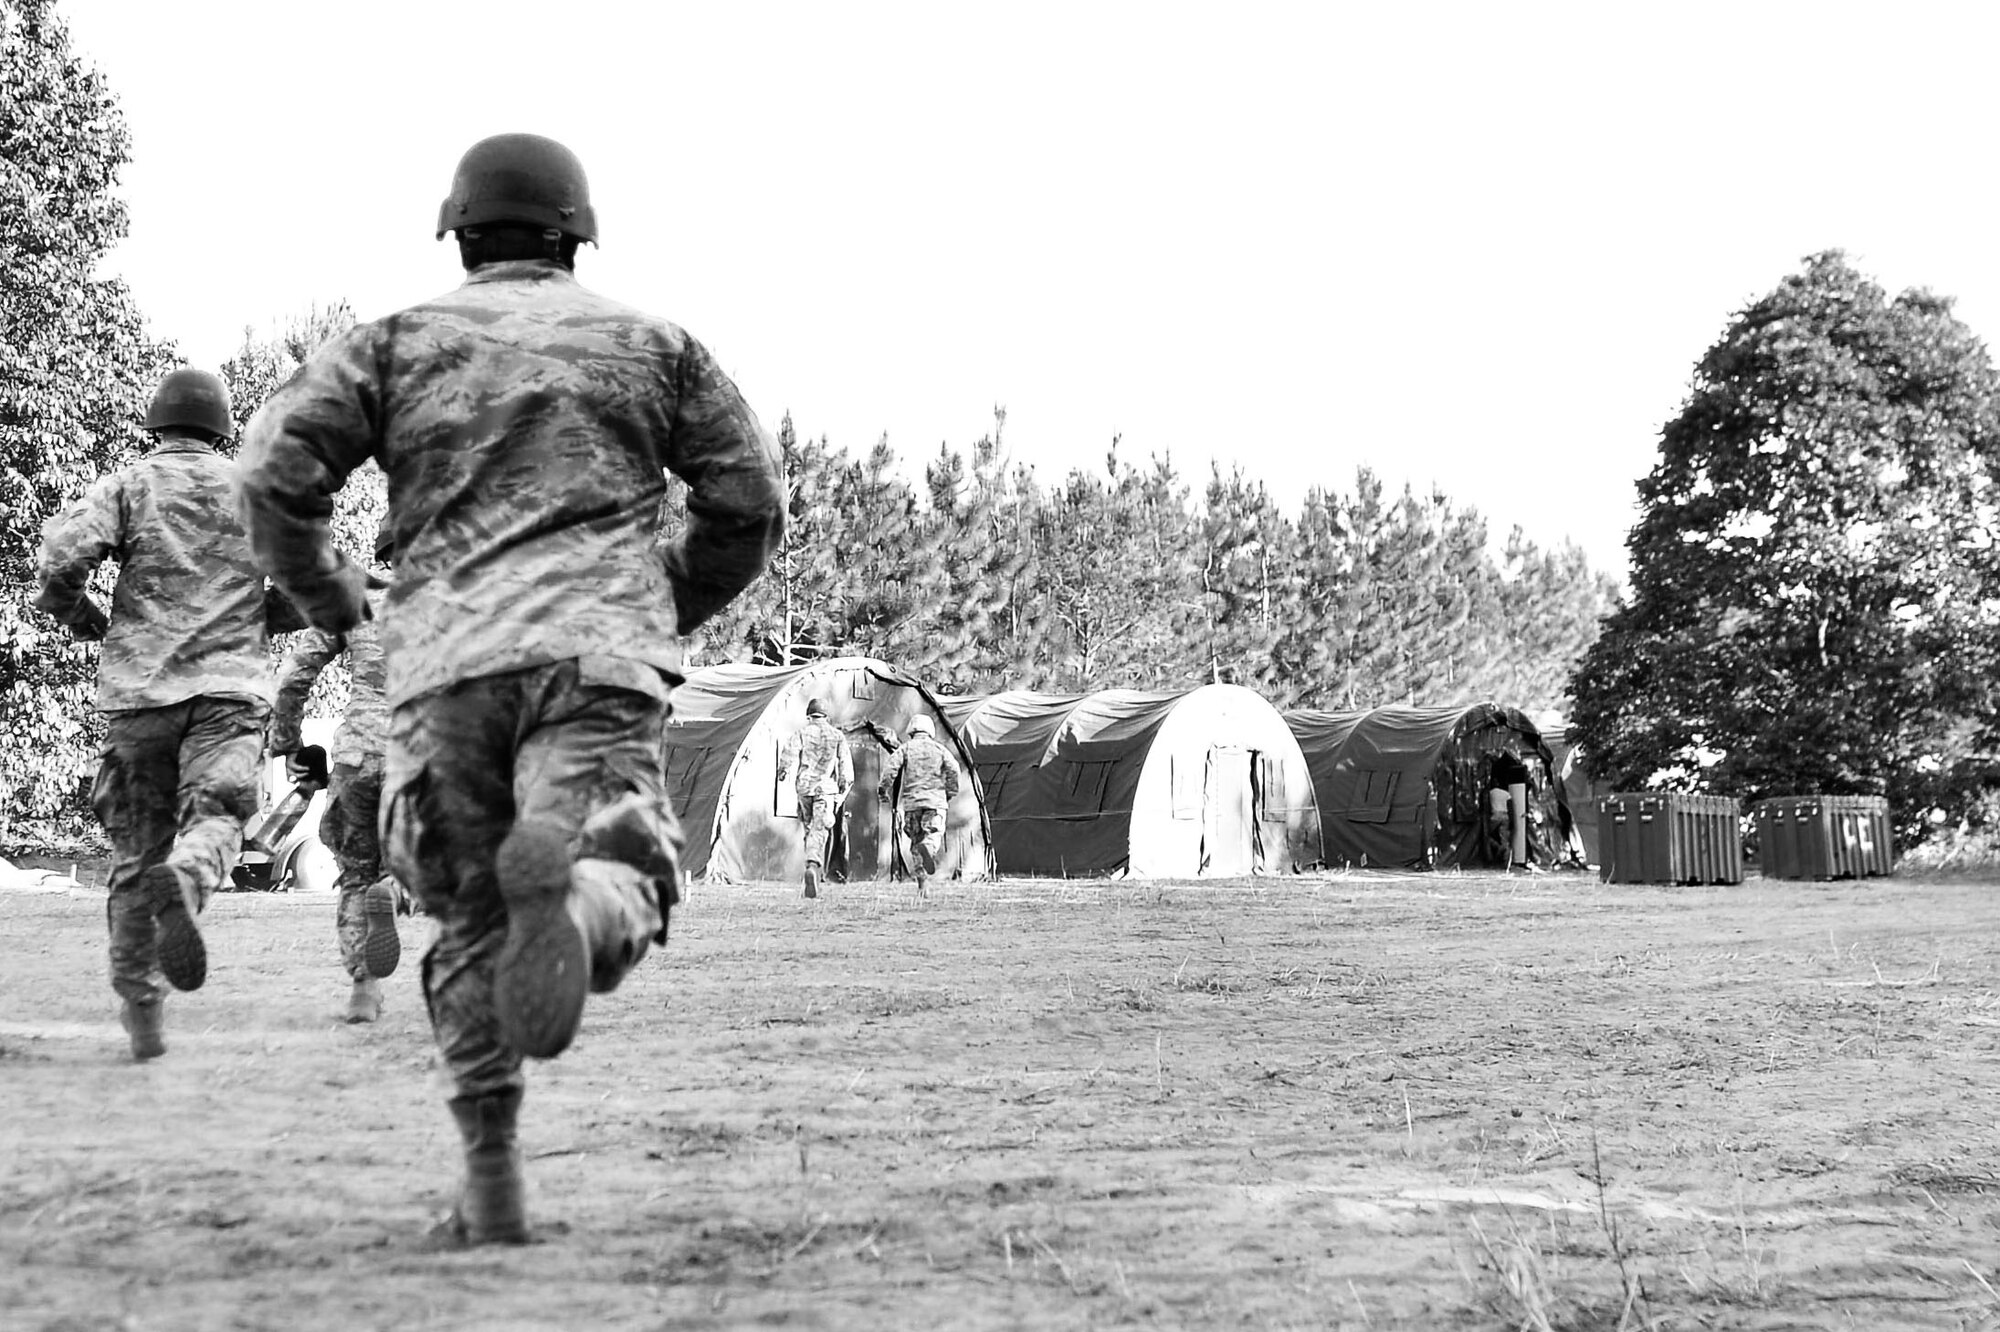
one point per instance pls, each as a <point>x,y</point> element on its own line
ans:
<point>930,780</point>
<point>364,914</point>
<point>825,769</point>
<point>182,681</point>
<point>533,630</point>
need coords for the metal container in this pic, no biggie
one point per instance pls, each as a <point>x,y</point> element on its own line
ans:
<point>1670,837</point>
<point>1824,837</point>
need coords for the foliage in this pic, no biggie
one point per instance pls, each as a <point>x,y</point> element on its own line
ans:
<point>987,579</point>
<point>76,370</point>
<point>1814,604</point>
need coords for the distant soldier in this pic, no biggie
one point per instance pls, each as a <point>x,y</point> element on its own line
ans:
<point>824,771</point>
<point>183,682</point>
<point>365,911</point>
<point>533,632</point>
<point>929,781</point>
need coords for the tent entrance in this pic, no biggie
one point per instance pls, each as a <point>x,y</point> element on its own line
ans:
<point>1228,813</point>
<point>865,843</point>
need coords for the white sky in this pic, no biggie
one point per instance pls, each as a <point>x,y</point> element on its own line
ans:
<point>1475,244</point>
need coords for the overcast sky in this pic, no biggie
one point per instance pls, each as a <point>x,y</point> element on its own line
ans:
<point>1473,245</point>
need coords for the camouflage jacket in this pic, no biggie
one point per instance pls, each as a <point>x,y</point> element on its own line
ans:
<point>930,778</point>
<point>364,726</point>
<point>188,612</point>
<point>819,756</point>
<point>525,425</point>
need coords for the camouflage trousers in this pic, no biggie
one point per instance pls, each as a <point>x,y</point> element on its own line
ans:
<point>556,744</point>
<point>174,787</point>
<point>924,826</point>
<point>348,828</point>
<point>816,816</point>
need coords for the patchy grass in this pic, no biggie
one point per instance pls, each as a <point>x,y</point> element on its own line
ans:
<point>1349,1101</point>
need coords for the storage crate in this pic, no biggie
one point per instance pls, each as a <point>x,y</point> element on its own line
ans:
<point>1668,837</point>
<point>1824,837</point>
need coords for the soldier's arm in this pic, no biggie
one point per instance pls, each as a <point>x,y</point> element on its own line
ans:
<point>74,543</point>
<point>297,451</point>
<point>890,768</point>
<point>843,763</point>
<point>301,668</point>
<point>950,776</point>
<point>736,492</point>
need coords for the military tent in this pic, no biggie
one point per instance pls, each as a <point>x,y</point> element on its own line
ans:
<point>1407,787</point>
<point>1203,781</point>
<point>722,747</point>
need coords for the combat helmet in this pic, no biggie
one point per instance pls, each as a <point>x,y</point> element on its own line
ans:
<point>192,398</point>
<point>522,178</point>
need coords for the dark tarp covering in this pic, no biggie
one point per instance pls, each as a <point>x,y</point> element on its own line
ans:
<point>1160,783</point>
<point>729,723</point>
<point>1407,786</point>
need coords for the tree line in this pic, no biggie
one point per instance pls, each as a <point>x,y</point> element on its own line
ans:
<point>983,576</point>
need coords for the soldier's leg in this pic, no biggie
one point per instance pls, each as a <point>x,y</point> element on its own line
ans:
<point>347,827</point>
<point>816,820</point>
<point>447,804</point>
<point>378,947</point>
<point>927,835</point>
<point>590,871</point>
<point>135,799</point>
<point>219,755</point>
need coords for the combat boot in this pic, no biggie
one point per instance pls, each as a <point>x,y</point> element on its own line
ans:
<point>492,1206</point>
<point>364,1002</point>
<point>812,879</point>
<point>145,1021</point>
<point>381,947</point>
<point>177,902</point>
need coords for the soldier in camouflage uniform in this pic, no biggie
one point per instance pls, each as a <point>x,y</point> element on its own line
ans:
<point>533,630</point>
<point>182,680</point>
<point>365,912</point>
<point>930,780</point>
<point>825,770</point>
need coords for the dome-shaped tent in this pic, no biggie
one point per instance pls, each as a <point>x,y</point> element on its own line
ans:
<point>742,823</point>
<point>1407,786</point>
<point>1205,781</point>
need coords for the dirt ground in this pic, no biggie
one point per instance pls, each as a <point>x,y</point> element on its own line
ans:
<point>1364,1101</point>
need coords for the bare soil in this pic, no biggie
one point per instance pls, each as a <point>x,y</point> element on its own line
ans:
<point>1366,1101</point>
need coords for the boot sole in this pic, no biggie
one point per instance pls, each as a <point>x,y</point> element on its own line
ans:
<point>183,955</point>
<point>543,974</point>
<point>381,946</point>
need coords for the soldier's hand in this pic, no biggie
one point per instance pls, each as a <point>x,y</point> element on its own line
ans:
<point>340,602</point>
<point>296,770</point>
<point>90,622</point>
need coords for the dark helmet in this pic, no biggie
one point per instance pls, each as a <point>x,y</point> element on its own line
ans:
<point>815,709</point>
<point>521,178</point>
<point>385,542</point>
<point>194,398</point>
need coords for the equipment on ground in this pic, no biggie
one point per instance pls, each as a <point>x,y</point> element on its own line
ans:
<point>267,853</point>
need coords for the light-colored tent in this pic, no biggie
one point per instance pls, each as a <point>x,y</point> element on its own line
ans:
<point>742,823</point>
<point>1407,786</point>
<point>1205,781</point>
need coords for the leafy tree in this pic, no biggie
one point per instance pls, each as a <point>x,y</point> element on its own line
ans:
<point>76,371</point>
<point>1814,605</point>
